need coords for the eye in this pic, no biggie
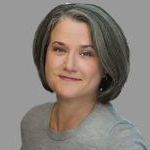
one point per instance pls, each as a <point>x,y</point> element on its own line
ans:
<point>59,50</point>
<point>87,53</point>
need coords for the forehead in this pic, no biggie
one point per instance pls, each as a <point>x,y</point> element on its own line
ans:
<point>72,30</point>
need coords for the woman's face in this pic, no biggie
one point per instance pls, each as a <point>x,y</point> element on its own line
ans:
<point>73,69</point>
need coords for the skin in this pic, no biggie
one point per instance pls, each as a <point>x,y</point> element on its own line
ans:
<point>74,72</point>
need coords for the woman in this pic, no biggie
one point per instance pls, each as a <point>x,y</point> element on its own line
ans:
<point>82,55</point>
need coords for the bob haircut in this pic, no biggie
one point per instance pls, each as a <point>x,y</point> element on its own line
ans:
<point>108,40</point>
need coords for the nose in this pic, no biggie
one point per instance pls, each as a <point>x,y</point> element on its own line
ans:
<point>70,62</point>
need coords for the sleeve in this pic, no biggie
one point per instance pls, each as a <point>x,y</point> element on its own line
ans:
<point>125,136</point>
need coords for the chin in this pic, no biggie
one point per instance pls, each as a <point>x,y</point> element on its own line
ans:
<point>67,94</point>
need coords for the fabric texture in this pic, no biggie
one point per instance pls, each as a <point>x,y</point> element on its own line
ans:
<point>103,129</point>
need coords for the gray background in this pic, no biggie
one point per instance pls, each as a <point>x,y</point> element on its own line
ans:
<point>20,88</point>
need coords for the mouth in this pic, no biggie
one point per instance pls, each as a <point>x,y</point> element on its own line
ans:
<point>66,78</point>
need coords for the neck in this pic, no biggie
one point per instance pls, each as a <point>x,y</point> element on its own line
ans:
<point>68,114</point>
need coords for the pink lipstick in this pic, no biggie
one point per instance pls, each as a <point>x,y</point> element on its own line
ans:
<point>66,78</point>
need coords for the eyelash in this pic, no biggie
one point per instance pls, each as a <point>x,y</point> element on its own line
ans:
<point>85,53</point>
<point>58,50</point>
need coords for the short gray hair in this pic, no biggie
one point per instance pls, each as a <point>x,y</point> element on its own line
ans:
<point>108,41</point>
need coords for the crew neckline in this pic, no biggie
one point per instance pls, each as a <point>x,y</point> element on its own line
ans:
<point>64,135</point>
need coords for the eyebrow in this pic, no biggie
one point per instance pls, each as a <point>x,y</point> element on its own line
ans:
<point>82,46</point>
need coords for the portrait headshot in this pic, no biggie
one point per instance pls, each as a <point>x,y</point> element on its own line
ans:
<point>82,56</point>
<point>74,75</point>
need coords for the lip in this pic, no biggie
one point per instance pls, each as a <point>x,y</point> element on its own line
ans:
<point>66,78</point>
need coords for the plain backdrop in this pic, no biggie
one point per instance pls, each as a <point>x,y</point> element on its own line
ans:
<point>20,87</point>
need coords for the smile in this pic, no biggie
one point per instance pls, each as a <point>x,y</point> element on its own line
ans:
<point>66,78</point>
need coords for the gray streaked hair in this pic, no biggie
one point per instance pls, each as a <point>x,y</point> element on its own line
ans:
<point>107,37</point>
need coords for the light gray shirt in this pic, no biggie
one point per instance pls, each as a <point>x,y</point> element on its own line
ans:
<point>103,129</point>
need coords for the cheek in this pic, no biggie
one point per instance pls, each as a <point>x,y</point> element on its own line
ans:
<point>94,69</point>
<point>49,70</point>
<point>49,66</point>
<point>96,75</point>
<point>52,67</point>
<point>51,62</point>
<point>93,72</point>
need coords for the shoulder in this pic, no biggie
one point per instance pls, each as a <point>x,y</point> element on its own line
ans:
<point>37,110</point>
<point>34,123</point>
<point>123,134</point>
<point>118,132</point>
<point>36,114</point>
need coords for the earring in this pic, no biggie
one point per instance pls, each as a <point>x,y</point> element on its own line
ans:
<point>104,79</point>
<point>101,89</point>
